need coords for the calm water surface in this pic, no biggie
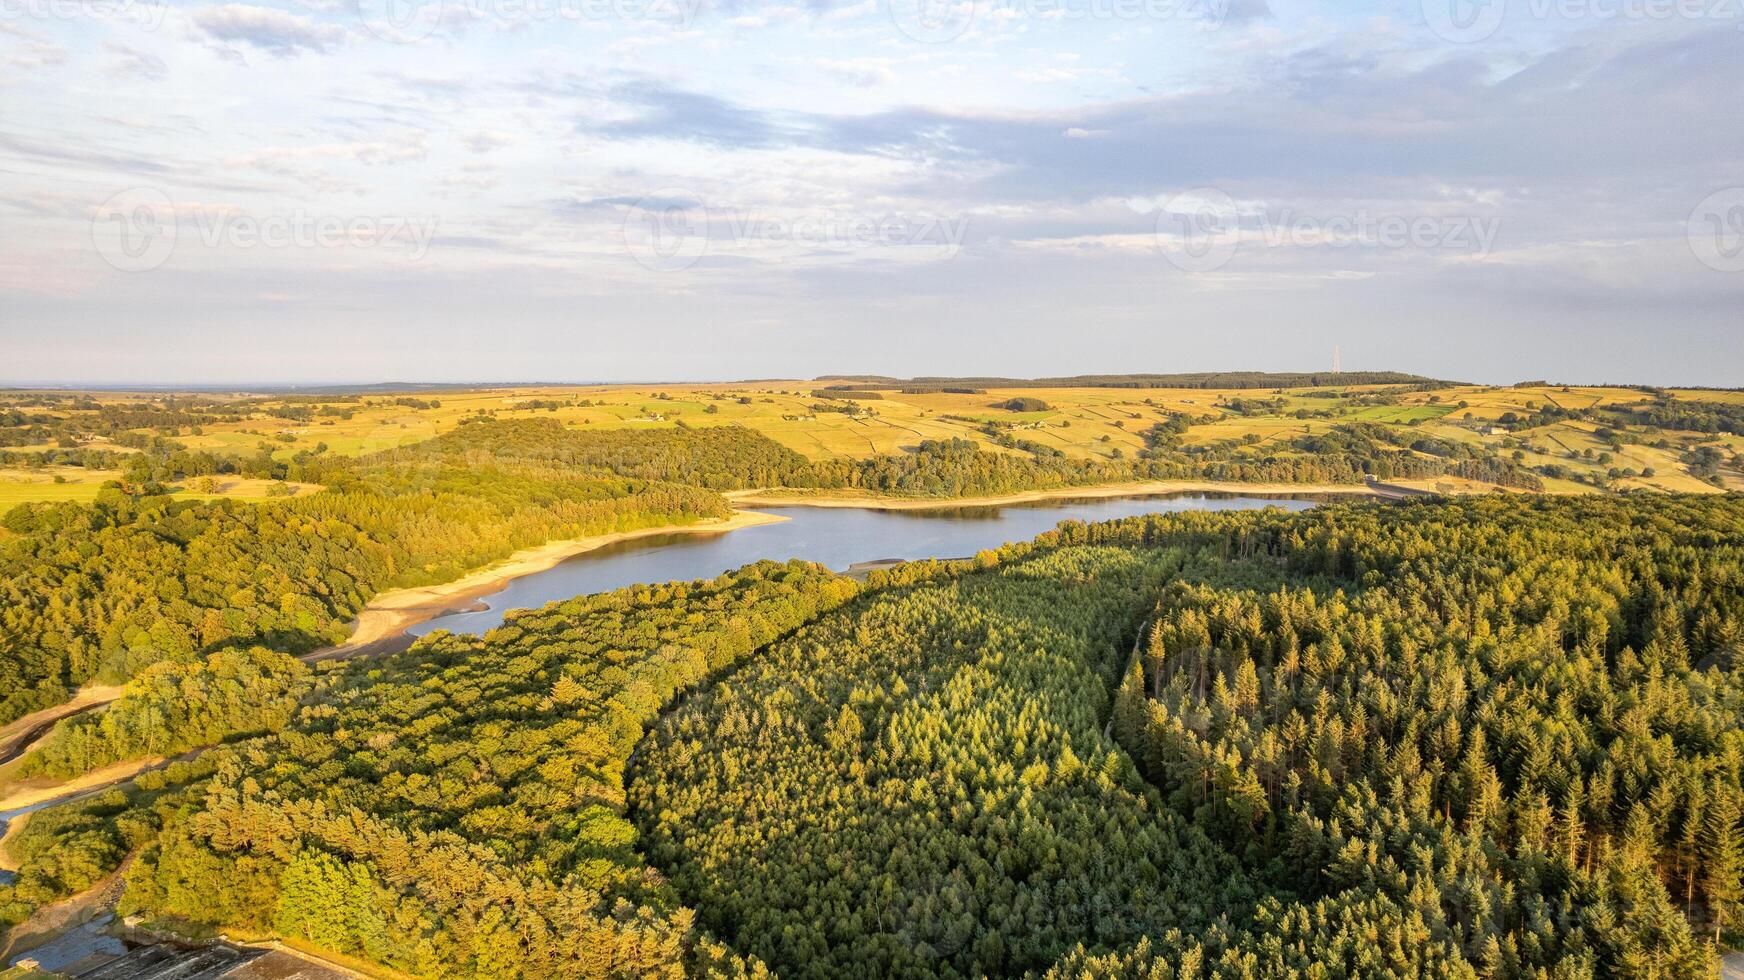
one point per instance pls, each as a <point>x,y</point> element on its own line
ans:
<point>834,537</point>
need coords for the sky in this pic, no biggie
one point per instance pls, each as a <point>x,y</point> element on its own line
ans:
<point>582,190</point>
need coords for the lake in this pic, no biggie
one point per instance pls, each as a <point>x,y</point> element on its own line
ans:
<point>835,537</point>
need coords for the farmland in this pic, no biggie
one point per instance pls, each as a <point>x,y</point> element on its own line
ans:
<point>1574,454</point>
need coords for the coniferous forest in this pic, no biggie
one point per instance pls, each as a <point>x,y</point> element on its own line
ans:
<point>1480,737</point>
<point>1490,737</point>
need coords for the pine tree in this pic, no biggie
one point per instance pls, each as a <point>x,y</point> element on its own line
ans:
<point>1723,863</point>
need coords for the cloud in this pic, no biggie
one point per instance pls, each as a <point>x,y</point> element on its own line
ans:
<point>273,31</point>
<point>484,141</point>
<point>33,52</point>
<point>38,56</point>
<point>130,62</point>
<point>662,112</point>
<point>406,148</point>
<point>861,72</point>
<point>309,163</point>
<point>1240,11</point>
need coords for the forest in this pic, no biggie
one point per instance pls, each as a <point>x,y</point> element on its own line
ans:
<point>1482,738</point>
<point>454,810</point>
<point>101,592</point>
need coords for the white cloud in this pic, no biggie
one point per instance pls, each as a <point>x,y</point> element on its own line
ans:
<point>36,55</point>
<point>485,140</point>
<point>273,31</point>
<point>862,72</point>
<point>130,62</point>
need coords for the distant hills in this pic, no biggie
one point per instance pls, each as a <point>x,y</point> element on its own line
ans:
<point>1198,379</point>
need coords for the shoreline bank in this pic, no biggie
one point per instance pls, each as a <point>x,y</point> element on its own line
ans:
<point>836,498</point>
<point>18,737</point>
<point>28,795</point>
<point>384,621</point>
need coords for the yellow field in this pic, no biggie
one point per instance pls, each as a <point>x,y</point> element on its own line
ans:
<point>80,485</point>
<point>1080,422</point>
<point>241,489</point>
<point>29,486</point>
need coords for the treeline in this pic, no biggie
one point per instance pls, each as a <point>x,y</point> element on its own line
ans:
<point>160,460</point>
<point>960,468</point>
<point>1348,453</point>
<point>726,457</point>
<point>100,592</point>
<point>172,707</point>
<point>71,421</point>
<point>455,810</point>
<point>1686,414</point>
<point>732,457</point>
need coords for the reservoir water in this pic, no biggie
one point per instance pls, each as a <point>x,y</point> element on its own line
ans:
<point>835,537</point>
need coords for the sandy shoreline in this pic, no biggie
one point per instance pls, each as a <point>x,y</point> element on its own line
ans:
<point>831,498</point>
<point>40,790</point>
<point>387,617</point>
<point>18,736</point>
